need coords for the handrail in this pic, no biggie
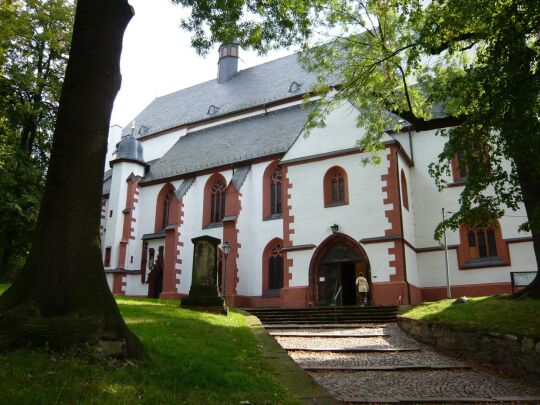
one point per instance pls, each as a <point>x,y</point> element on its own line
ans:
<point>338,292</point>
<point>335,304</point>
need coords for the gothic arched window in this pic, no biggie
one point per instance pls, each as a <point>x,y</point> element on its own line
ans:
<point>214,200</point>
<point>275,192</point>
<point>275,268</point>
<point>217,201</point>
<point>167,207</point>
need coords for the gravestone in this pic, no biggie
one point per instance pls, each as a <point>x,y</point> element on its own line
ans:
<point>204,293</point>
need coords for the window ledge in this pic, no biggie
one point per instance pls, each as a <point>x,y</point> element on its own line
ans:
<point>213,225</point>
<point>271,293</point>
<point>458,183</point>
<point>336,204</point>
<point>494,261</point>
<point>273,216</point>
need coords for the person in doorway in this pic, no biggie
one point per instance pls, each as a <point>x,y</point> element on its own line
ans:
<point>363,288</point>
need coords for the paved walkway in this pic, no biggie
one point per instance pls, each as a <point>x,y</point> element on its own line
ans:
<point>381,364</point>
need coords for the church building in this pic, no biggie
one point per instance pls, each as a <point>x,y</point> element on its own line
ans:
<point>299,217</point>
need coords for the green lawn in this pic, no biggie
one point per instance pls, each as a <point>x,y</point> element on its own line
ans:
<point>497,313</point>
<point>195,359</point>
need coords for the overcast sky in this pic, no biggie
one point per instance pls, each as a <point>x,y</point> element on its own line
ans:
<point>157,59</point>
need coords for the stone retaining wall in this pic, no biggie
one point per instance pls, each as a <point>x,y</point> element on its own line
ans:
<point>515,353</point>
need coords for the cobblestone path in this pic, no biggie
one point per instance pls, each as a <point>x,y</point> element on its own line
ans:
<point>369,365</point>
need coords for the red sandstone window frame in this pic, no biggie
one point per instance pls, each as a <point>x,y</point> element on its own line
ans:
<point>404,191</point>
<point>215,195</point>
<point>336,187</point>
<point>273,199</point>
<point>166,208</point>
<point>272,256</point>
<point>487,238</point>
<point>459,169</point>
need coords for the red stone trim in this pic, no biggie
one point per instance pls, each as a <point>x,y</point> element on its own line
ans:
<point>127,230</point>
<point>119,284</point>
<point>391,186</point>
<point>288,221</point>
<point>233,208</point>
<point>171,270</point>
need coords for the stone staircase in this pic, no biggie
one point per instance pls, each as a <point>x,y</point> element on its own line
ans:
<point>346,315</point>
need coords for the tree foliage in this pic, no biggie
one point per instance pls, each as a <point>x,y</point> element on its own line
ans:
<point>34,45</point>
<point>467,68</point>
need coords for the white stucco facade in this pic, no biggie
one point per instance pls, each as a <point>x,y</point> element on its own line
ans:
<point>382,229</point>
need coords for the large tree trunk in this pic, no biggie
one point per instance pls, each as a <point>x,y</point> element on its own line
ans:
<point>530,188</point>
<point>6,252</point>
<point>61,296</point>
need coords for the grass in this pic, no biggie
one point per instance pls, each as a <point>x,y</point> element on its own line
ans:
<point>498,313</point>
<point>196,358</point>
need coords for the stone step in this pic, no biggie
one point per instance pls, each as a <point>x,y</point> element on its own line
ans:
<point>325,321</point>
<point>328,311</point>
<point>293,326</point>
<point>322,335</point>
<point>384,368</point>
<point>351,349</point>
<point>339,308</point>
<point>441,400</point>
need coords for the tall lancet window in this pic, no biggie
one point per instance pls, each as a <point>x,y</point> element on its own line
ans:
<point>275,268</point>
<point>217,201</point>
<point>275,192</point>
<point>167,207</point>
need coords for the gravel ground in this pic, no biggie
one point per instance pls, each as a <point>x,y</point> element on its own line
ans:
<point>473,384</point>
<point>421,384</point>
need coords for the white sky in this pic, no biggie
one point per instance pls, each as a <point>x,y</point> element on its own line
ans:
<point>157,58</point>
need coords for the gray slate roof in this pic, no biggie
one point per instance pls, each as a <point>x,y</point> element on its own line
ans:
<point>237,141</point>
<point>257,85</point>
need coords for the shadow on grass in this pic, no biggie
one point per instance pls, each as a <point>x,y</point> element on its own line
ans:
<point>195,358</point>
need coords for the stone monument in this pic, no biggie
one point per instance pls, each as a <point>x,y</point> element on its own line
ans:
<point>204,293</point>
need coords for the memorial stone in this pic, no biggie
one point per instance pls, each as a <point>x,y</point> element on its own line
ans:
<point>204,293</point>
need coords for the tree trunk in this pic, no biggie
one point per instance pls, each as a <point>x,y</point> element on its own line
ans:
<point>61,296</point>
<point>6,252</point>
<point>530,189</point>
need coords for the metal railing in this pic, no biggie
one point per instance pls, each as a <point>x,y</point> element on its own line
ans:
<point>335,303</point>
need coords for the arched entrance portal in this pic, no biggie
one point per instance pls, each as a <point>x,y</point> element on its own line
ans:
<point>336,263</point>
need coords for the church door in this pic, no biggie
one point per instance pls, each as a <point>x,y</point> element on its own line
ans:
<point>155,278</point>
<point>336,267</point>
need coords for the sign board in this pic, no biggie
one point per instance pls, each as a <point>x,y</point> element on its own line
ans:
<point>321,279</point>
<point>522,278</point>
